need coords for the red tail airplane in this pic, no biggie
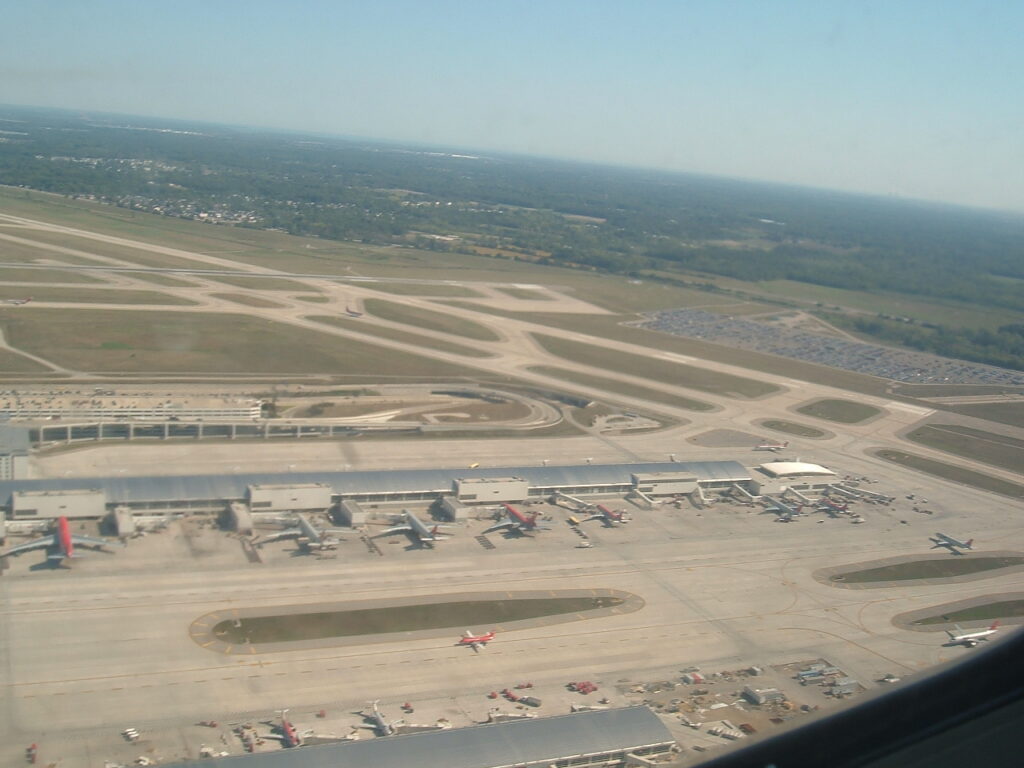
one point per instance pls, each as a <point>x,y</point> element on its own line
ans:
<point>608,517</point>
<point>61,543</point>
<point>517,521</point>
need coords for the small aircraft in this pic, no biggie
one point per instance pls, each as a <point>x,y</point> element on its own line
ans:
<point>971,639</point>
<point>607,517</point>
<point>285,732</point>
<point>17,302</point>
<point>308,535</point>
<point>61,543</point>
<point>953,545</point>
<point>424,534</point>
<point>517,521</point>
<point>476,642</point>
<point>770,446</point>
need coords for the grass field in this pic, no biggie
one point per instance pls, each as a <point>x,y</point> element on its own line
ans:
<point>88,245</point>
<point>246,299</point>
<point>12,362</point>
<point>159,279</point>
<point>1011,414</point>
<point>262,283</point>
<point>423,289</point>
<point>943,568</point>
<point>791,428</point>
<point>526,294</point>
<point>427,319</point>
<point>161,342</point>
<point>840,411</point>
<point>104,296</point>
<point>986,447</point>
<point>1002,609</point>
<point>396,334</point>
<point>43,276</point>
<point>30,254</point>
<point>954,390</point>
<point>954,473</point>
<point>623,388</point>
<point>677,374</point>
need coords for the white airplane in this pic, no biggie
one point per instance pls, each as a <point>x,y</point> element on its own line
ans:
<point>381,724</point>
<point>953,545</point>
<point>308,535</point>
<point>61,543</point>
<point>971,639</point>
<point>774,447</point>
<point>423,533</point>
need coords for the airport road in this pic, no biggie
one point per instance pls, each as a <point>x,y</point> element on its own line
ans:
<point>93,648</point>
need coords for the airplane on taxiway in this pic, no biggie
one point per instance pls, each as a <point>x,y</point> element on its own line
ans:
<point>953,545</point>
<point>476,642</point>
<point>971,639</point>
<point>769,446</point>
<point>517,522</point>
<point>61,543</point>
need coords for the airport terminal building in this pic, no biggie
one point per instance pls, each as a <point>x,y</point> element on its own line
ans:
<point>605,737</point>
<point>35,499</point>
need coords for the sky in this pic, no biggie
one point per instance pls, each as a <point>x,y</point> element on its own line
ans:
<point>900,98</point>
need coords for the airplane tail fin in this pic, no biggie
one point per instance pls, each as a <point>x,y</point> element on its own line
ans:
<point>969,544</point>
<point>995,624</point>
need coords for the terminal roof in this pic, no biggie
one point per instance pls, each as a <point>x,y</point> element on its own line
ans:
<point>127,490</point>
<point>539,741</point>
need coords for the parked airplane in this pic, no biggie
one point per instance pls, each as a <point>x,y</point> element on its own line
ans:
<point>785,512</point>
<point>424,534</point>
<point>607,517</point>
<point>61,543</point>
<point>308,535</point>
<point>285,732</point>
<point>381,724</point>
<point>826,501</point>
<point>476,642</point>
<point>971,639</point>
<point>517,521</point>
<point>769,446</point>
<point>953,545</point>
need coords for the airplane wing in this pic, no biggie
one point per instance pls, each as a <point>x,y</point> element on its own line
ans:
<point>89,541</point>
<point>290,533</point>
<point>396,529</point>
<point>44,541</point>
<point>499,526</point>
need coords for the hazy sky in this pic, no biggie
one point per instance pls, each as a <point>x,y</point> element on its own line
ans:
<point>921,99</point>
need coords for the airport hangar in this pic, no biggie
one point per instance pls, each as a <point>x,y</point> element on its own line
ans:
<point>458,488</point>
